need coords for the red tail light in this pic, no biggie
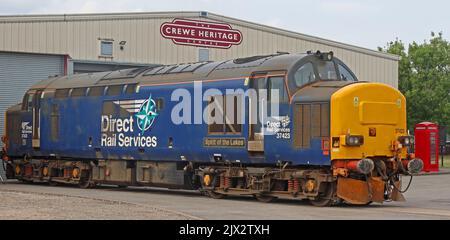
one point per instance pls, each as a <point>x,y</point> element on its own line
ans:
<point>5,143</point>
<point>325,146</point>
<point>5,137</point>
<point>4,149</point>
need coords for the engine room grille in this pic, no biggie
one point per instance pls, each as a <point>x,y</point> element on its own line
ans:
<point>14,128</point>
<point>311,120</point>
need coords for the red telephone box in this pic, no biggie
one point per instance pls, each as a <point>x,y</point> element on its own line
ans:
<point>427,145</point>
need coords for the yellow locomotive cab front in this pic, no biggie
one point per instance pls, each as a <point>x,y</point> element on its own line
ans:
<point>369,142</point>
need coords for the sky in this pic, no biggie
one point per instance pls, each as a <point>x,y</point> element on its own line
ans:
<point>365,23</point>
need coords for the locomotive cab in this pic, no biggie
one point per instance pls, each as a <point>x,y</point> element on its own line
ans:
<point>369,137</point>
<point>23,125</point>
<point>359,127</point>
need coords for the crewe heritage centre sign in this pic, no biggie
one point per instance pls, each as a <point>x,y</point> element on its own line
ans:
<point>201,33</point>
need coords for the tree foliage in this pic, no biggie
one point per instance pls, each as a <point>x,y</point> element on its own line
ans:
<point>424,79</point>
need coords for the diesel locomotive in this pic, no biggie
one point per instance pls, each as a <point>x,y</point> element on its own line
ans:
<point>330,139</point>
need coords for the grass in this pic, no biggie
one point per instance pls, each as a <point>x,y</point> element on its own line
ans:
<point>446,161</point>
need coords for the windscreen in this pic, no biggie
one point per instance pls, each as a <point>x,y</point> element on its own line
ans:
<point>314,69</point>
<point>326,70</point>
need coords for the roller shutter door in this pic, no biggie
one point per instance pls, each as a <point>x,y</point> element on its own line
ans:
<point>18,71</point>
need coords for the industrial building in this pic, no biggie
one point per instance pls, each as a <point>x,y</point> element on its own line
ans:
<point>34,47</point>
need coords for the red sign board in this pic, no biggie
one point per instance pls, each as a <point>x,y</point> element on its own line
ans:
<point>201,33</point>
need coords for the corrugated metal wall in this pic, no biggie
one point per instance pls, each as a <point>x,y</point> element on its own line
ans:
<point>80,35</point>
<point>19,71</point>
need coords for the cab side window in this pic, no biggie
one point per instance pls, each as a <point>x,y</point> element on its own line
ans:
<point>305,74</point>
<point>345,74</point>
<point>27,104</point>
<point>276,86</point>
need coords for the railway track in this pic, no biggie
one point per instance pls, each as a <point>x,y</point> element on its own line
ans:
<point>428,199</point>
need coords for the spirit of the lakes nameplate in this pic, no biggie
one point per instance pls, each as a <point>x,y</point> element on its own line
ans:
<point>224,142</point>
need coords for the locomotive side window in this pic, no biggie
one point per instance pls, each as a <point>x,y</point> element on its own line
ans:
<point>30,102</point>
<point>78,92</point>
<point>27,104</point>
<point>96,91</point>
<point>326,70</point>
<point>225,114</point>
<point>277,84</point>
<point>130,88</point>
<point>215,112</point>
<point>345,74</point>
<point>233,114</point>
<point>62,93</point>
<point>114,90</point>
<point>305,74</point>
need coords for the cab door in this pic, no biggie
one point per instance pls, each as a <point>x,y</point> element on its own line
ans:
<point>36,142</point>
<point>21,131</point>
<point>269,122</point>
<point>256,105</point>
<point>276,120</point>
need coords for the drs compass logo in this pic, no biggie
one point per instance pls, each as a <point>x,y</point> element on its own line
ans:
<point>146,115</point>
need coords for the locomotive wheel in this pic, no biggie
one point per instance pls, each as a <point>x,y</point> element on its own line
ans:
<point>216,195</point>
<point>206,181</point>
<point>84,184</point>
<point>86,181</point>
<point>265,198</point>
<point>325,199</point>
<point>53,183</point>
<point>26,181</point>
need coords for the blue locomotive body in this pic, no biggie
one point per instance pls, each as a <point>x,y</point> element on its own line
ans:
<point>252,126</point>
<point>80,131</point>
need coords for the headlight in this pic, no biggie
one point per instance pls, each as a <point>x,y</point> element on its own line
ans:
<point>406,140</point>
<point>354,140</point>
<point>325,56</point>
